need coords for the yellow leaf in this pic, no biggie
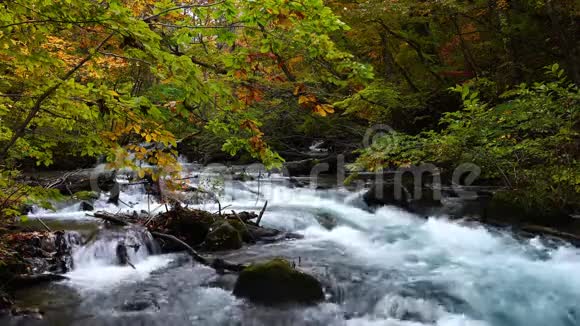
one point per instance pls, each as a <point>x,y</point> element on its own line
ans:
<point>319,111</point>
<point>305,99</point>
<point>323,109</point>
<point>328,108</point>
<point>141,174</point>
<point>148,138</point>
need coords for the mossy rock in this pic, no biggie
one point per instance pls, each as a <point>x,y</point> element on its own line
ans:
<point>86,195</point>
<point>223,236</point>
<point>242,228</point>
<point>277,282</point>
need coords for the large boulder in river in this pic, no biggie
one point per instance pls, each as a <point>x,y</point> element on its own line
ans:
<point>223,236</point>
<point>384,194</point>
<point>86,206</point>
<point>277,282</point>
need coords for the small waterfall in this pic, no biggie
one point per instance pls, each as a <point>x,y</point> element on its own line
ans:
<point>105,247</point>
<point>113,256</point>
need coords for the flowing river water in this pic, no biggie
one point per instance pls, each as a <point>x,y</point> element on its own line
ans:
<point>383,267</point>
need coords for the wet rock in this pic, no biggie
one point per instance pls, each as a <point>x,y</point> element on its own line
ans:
<point>260,233</point>
<point>62,261</point>
<point>6,303</point>
<point>33,313</point>
<point>242,176</point>
<point>139,305</point>
<point>26,209</point>
<point>295,183</point>
<point>326,220</point>
<point>223,236</point>
<point>114,197</point>
<point>387,194</point>
<point>86,206</point>
<point>122,254</point>
<point>40,252</point>
<point>277,282</point>
<point>293,236</point>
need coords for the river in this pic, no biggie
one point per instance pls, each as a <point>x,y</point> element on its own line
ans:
<point>383,267</point>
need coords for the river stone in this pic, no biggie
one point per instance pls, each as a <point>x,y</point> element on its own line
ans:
<point>86,206</point>
<point>6,303</point>
<point>277,282</point>
<point>223,236</point>
<point>326,220</point>
<point>386,194</point>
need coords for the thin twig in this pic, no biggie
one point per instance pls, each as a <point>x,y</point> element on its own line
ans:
<point>176,240</point>
<point>181,7</point>
<point>262,213</point>
<point>219,212</point>
<point>43,224</point>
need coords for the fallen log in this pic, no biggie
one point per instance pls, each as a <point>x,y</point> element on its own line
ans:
<point>110,218</point>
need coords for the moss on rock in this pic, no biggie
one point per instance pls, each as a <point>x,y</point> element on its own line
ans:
<point>86,195</point>
<point>277,282</point>
<point>223,236</point>
<point>242,228</point>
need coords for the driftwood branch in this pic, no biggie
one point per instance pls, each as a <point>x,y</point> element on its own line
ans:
<point>110,218</point>
<point>261,213</point>
<point>44,224</point>
<point>184,245</point>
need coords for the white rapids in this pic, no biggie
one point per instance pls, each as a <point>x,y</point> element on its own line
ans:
<point>392,268</point>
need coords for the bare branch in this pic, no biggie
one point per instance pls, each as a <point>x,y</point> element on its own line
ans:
<point>163,12</point>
